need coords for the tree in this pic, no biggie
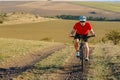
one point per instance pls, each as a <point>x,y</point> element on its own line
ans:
<point>2,17</point>
<point>114,36</point>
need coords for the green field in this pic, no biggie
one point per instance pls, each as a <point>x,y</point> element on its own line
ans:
<point>57,30</point>
<point>109,6</point>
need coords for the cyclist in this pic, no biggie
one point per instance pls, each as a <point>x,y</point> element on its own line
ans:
<point>82,28</point>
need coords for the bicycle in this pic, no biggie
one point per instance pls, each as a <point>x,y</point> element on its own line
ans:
<point>82,51</point>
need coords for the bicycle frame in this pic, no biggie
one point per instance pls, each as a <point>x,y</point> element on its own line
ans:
<point>82,51</point>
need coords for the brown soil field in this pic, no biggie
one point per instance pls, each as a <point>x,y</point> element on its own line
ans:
<point>48,8</point>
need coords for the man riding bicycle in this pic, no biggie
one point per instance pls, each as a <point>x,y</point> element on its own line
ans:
<point>82,28</point>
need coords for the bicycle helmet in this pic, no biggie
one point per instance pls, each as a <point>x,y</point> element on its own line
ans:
<point>82,18</point>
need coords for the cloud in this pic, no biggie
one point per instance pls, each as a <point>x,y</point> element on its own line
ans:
<point>85,0</point>
<point>60,0</point>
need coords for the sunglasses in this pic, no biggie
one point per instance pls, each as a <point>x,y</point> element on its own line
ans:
<point>82,21</point>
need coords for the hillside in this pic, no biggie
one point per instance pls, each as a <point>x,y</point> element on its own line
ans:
<point>19,53</point>
<point>20,17</point>
<point>33,47</point>
<point>54,30</point>
<point>49,8</point>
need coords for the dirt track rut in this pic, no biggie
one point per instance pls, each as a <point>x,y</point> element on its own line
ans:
<point>13,71</point>
<point>72,70</point>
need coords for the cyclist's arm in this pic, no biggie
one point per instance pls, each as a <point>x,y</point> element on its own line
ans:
<point>92,32</point>
<point>72,32</point>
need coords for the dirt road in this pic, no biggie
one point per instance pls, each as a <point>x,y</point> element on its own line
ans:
<point>72,70</point>
<point>10,71</point>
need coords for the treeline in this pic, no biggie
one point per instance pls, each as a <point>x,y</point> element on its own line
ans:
<point>2,17</point>
<point>71,17</point>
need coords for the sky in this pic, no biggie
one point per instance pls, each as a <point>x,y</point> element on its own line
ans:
<point>60,0</point>
<point>85,0</point>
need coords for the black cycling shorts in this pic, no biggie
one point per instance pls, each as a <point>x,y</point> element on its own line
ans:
<point>79,36</point>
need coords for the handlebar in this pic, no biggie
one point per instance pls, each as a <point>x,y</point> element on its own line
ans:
<point>72,36</point>
<point>87,36</point>
<point>90,36</point>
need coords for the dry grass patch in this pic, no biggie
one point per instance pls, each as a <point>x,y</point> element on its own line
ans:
<point>11,50</point>
<point>20,18</point>
<point>55,30</point>
<point>105,63</point>
<point>46,69</point>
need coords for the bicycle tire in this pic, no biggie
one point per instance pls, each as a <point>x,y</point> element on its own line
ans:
<point>82,51</point>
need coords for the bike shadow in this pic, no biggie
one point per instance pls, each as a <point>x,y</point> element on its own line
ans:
<point>70,69</point>
<point>9,73</point>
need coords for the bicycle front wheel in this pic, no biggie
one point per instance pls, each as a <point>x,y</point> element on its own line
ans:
<point>82,58</point>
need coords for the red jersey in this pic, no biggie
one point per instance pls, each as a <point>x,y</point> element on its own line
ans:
<point>82,29</point>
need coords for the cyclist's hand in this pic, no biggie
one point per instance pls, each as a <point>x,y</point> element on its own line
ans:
<point>93,35</point>
<point>71,35</point>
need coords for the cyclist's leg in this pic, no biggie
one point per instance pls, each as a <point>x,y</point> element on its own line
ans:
<point>86,50</point>
<point>76,44</point>
<point>86,47</point>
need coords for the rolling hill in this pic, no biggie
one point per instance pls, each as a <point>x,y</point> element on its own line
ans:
<point>52,8</point>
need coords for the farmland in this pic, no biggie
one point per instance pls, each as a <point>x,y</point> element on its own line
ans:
<point>32,48</point>
<point>34,35</point>
<point>13,49</point>
<point>109,6</point>
<point>55,30</point>
<point>49,8</point>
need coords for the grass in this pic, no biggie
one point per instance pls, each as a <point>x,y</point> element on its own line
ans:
<point>101,28</point>
<point>103,56</point>
<point>57,30</point>
<point>12,49</point>
<point>45,69</point>
<point>109,6</point>
<point>54,30</point>
<point>104,64</point>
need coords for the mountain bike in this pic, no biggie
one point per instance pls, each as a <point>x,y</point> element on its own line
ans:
<point>82,51</point>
